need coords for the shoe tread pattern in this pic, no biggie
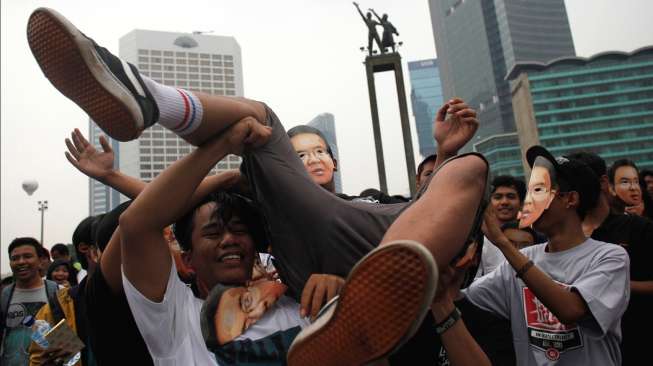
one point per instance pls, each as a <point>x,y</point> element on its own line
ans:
<point>382,300</point>
<point>62,62</point>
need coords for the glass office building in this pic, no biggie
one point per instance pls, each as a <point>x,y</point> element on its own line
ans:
<point>192,61</point>
<point>502,153</point>
<point>477,42</point>
<point>426,99</point>
<point>602,104</point>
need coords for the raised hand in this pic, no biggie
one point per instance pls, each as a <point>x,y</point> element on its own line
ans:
<point>455,125</point>
<point>319,289</point>
<point>88,160</point>
<point>247,133</point>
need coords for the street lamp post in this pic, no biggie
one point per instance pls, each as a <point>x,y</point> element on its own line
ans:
<point>43,205</point>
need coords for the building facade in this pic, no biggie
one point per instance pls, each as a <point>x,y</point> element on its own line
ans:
<point>602,104</point>
<point>502,153</point>
<point>477,42</point>
<point>326,123</point>
<point>426,98</point>
<point>195,62</point>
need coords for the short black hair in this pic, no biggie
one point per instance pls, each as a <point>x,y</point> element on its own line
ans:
<point>106,224</point>
<point>618,164</point>
<point>420,167</point>
<point>594,161</point>
<point>18,242</point>
<point>228,204</point>
<point>298,130</point>
<point>82,233</point>
<point>60,248</point>
<point>43,252</point>
<point>72,272</point>
<point>646,173</point>
<point>512,182</point>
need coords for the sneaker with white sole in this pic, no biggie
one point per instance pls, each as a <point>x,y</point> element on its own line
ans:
<point>384,300</point>
<point>107,88</point>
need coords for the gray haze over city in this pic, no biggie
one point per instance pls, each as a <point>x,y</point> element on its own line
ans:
<point>300,57</point>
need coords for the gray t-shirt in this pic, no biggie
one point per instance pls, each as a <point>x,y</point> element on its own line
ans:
<point>598,271</point>
<point>24,302</point>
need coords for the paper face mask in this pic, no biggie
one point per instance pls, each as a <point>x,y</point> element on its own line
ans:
<point>240,307</point>
<point>540,192</point>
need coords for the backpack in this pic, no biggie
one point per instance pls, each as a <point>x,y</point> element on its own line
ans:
<point>51,289</point>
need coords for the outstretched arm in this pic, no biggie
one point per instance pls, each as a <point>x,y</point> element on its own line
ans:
<point>146,258</point>
<point>99,166</point>
<point>359,11</point>
<point>462,348</point>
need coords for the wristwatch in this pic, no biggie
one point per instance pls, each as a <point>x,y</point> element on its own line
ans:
<point>448,322</point>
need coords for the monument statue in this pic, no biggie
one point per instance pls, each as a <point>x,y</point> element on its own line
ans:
<point>388,30</point>
<point>372,33</point>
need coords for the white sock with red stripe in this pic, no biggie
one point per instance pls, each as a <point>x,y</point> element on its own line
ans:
<point>180,111</point>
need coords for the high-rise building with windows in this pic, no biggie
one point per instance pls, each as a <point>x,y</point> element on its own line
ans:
<point>602,104</point>
<point>325,122</point>
<point>477,42</point>
<point>195,62</point>
<point>426,98</point>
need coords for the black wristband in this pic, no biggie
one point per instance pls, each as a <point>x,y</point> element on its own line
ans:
<point>447,323</point>
<point>522,271</point>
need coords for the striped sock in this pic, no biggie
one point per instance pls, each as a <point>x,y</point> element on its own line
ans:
<point>180,111</point>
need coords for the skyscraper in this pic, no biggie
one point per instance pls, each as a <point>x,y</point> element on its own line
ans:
<point>426,98</point>
<point>602,104</point>
<point>195,62</point>
<point>478,41</point>
<point>325,122</point>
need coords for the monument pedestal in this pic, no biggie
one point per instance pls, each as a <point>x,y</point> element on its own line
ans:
<point>381,63</point>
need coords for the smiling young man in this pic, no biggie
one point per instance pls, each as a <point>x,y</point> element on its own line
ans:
<point>21,300</point>
<point>220,237</point>
<point>506,198</point>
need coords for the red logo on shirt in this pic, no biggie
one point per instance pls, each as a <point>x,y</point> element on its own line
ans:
<point>545,332</point>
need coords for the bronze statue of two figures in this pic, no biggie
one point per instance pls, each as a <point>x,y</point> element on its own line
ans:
<point>373,36</point>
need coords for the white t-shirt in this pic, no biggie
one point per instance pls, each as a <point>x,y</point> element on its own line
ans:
<point>171,329</point>
<point>598,271</point>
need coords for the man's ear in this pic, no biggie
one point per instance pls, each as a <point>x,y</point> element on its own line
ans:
<point>82,247</point>
<point>573,199</point>
<point>604,181</point>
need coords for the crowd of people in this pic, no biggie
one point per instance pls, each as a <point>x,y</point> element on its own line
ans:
<point>269,265</point>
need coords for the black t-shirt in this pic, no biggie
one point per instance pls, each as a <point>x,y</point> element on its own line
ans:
<point>115,339</point>
<point>635,234</point>
<point>492,333</point>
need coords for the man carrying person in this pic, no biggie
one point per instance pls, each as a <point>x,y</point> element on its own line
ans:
<point>123,103</point>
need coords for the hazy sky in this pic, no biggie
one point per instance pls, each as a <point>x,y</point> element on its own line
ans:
<point>301,57</point>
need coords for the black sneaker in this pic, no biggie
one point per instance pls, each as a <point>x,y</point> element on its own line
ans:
<point>109,89</point>
<point>381,306</point>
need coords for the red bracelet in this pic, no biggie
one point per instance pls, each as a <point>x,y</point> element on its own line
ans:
<point>522,271</point>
